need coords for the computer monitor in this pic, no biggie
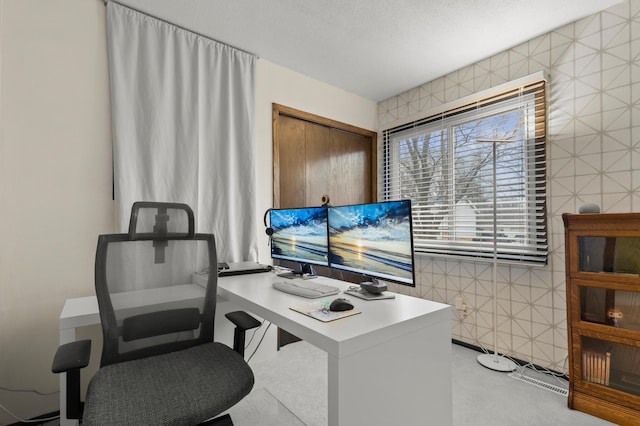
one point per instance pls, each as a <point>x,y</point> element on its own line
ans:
<point>300,235</point>
<point>375,240</point>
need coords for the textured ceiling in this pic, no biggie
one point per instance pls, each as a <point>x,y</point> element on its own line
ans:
<point>373,48</point>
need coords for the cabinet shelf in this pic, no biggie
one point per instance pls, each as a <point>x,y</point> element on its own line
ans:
<point>625,382</point>
<point>603,314</point>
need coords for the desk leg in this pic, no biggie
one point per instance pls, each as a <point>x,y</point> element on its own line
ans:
<point>67,335</point>
<point>406,380</point>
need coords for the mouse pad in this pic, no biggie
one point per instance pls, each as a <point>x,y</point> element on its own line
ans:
<point>320,311</point>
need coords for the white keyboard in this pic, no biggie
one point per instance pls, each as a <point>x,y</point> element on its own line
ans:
<point>307,289</point>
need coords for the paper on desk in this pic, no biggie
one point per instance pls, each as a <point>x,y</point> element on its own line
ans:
<point>320,310</point>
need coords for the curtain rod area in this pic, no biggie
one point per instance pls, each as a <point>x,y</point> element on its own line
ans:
<point>178,26</point>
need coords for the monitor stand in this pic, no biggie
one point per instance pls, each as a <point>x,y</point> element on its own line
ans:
<point>364,294</point>
<point>371,290</point>
<point>306,272</point>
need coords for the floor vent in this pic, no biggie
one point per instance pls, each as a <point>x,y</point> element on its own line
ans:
<point>539,383</point>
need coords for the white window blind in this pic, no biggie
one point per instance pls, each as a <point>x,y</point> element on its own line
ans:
<point>476,176</point>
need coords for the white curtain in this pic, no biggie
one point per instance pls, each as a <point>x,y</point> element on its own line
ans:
<point>183,124</point>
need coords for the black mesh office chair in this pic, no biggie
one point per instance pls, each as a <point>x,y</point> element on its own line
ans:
<point>159,363</point>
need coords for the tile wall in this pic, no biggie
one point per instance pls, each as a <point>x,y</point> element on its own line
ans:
<point>593,156</point>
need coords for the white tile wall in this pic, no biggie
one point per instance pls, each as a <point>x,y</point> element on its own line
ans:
<point>593,156</point>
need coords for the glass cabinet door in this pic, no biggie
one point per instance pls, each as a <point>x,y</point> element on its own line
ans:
<point>614,365</point>
<point>618,255</point>
<point>615,308</point>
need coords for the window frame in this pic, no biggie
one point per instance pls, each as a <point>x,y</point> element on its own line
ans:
<point>532,246</point>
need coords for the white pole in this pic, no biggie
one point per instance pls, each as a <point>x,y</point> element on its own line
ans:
<point>495,362</point>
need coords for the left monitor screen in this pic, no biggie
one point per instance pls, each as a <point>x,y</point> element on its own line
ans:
<point>300,235</point>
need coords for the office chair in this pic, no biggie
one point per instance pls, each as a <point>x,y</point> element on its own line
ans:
<point>159,363</point>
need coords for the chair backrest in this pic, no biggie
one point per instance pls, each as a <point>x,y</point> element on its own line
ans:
<point>148,302</point>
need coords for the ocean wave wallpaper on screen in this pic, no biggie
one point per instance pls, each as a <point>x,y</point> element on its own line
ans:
<point>300,235</point>
<point>373,239</point>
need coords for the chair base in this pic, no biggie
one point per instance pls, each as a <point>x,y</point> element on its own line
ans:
<point>219,421</point>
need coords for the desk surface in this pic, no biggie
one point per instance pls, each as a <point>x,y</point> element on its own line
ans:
<point>379,320</point>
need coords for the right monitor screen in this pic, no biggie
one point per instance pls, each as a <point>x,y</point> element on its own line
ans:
<point>373,239</point>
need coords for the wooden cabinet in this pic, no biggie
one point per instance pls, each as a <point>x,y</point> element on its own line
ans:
<point>603,314</point>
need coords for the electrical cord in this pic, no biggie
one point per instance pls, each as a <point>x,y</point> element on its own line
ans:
<point>29,390</point>
<point>37,392</point>
<point>253,334</point>
<point>559,377</point>
<point>259,343</point>
<point>5,409</point>
<point>521,368</point>
<point>277,269</point>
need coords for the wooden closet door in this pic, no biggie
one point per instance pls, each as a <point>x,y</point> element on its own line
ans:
<point>314,157</point>
<point>290,169</point>
<point>351,171</point>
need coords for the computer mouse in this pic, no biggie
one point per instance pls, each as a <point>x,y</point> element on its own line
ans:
<point>340,305</point>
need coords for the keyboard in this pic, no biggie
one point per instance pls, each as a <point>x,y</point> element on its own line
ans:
<point>307,289</point>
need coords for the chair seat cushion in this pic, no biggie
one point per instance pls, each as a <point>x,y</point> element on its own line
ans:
<point>185,387</point>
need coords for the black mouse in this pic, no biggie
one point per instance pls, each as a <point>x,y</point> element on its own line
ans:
<point>340,305</point>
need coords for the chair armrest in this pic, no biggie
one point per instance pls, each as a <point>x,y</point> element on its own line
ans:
<point>243,322</point>
<point>70,356</point>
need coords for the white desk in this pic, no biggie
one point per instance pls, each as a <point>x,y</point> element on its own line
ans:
<point>389,365</point>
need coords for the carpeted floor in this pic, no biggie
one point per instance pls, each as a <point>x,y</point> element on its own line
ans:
<point>297,378</point>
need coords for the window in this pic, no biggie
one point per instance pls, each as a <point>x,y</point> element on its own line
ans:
<point>476,176</point>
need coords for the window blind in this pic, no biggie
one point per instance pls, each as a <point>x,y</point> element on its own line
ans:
<point>476,175</point>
